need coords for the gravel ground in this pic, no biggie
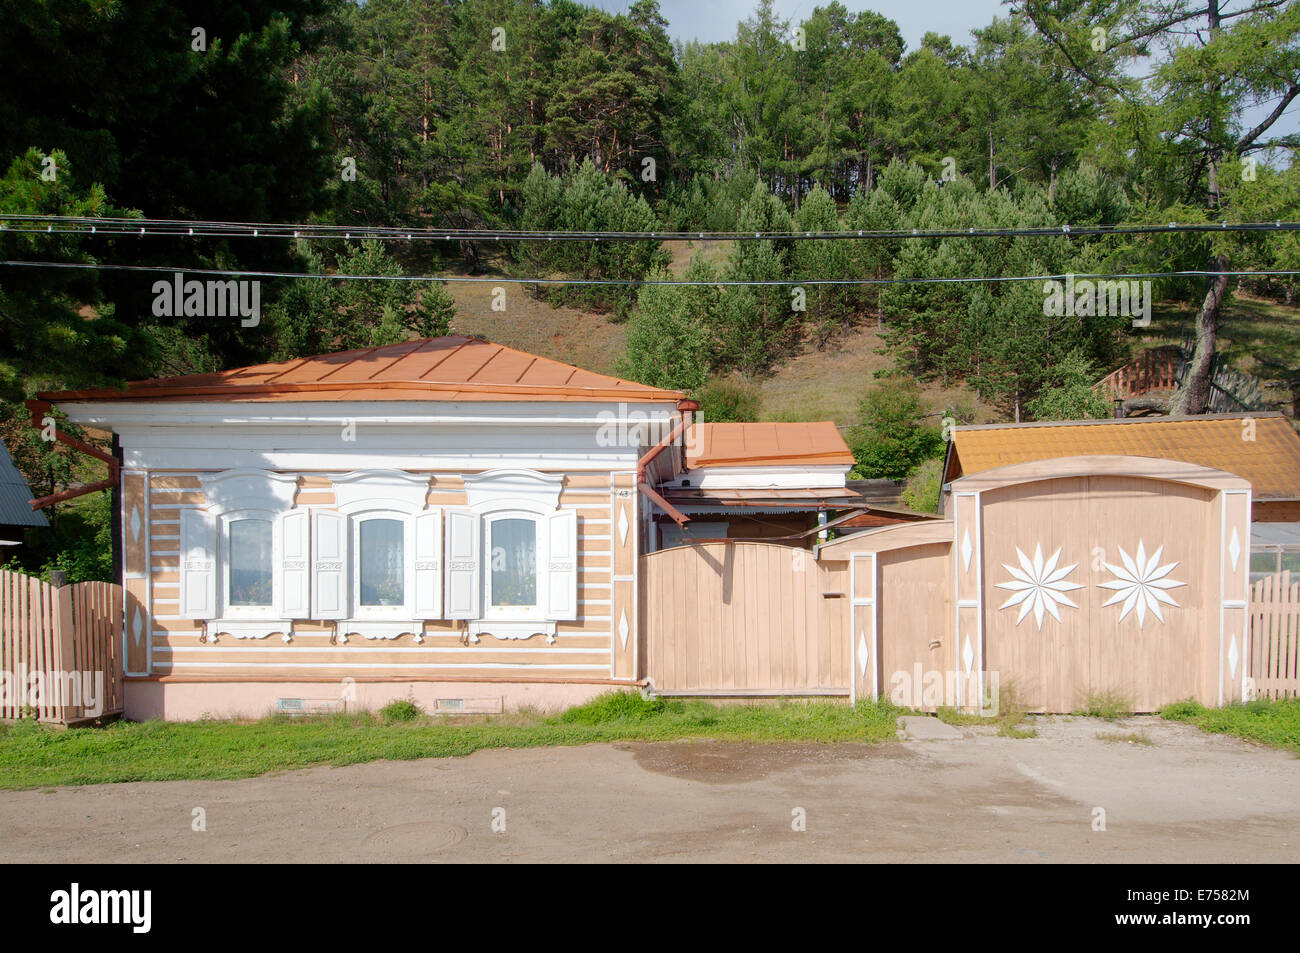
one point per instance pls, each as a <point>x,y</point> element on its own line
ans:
<point>1186,796</point>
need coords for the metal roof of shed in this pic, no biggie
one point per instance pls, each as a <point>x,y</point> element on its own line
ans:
<point>15,510</point>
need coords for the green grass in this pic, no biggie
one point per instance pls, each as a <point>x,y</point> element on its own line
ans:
<point>32,755</point>
<point>1268,722</point>
<point>1119,738</point>
<point>1110,705</point>
<point>1012,719</point>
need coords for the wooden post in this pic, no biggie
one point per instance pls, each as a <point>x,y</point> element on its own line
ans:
<point>64,660</point>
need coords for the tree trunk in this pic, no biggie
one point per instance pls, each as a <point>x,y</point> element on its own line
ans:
<point>1194,395</point>
<point>1157,404</point>
<point>993,173</point>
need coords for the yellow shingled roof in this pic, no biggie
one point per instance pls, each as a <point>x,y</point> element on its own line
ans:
<point>1270,461</point>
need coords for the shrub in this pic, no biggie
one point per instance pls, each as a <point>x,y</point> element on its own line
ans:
<point>729,399</point>
<point>400,709</point>
<point>615,706</point>
<point>891,438</point>
<point>924,484</point>
<point>1108,704</point>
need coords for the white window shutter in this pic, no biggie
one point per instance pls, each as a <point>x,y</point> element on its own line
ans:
<point>428,564</point>
<point>293,565</point>
<point>198,565</point>
<point>464,582</point>
<point>329,547</point>
<point>562,565</point>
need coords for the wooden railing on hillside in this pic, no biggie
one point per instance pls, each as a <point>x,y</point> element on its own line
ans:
<point>60,650</point>
<point>1154,369</point>
<point>1274,662</point>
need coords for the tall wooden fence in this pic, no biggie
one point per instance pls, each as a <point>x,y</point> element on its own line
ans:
<point>1275,636</point>
<point>744,619</point>
<point>60,649</point>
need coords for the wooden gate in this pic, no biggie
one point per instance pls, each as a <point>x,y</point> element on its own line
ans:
<point>60,649</point>
<point>744,619</point>
<point>1274,664</point>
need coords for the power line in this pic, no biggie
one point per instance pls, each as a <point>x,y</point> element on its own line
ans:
<point>156,227</point>
<point>630,282</point>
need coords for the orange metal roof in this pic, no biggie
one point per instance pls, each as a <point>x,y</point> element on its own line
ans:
<point>447,368</point>
<point>1270,461</point>
<point>771,444</point>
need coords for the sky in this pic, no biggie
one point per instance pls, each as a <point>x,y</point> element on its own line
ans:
<point>711,20</point>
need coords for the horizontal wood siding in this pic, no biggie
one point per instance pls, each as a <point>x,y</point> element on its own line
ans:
<point>584,648</point>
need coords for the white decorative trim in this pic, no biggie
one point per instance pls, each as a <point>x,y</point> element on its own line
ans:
<point>247,629</point>
<point>511,630</point>
<point>380,489</point>
<point>378,630</point>
<point>248,489</point>
<point>513,489</point>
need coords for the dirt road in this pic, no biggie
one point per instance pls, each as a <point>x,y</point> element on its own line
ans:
<point>1185,797</point>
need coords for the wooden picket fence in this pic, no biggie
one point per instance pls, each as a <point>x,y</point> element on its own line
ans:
<point>60,650</point>
<point>1275,636</point>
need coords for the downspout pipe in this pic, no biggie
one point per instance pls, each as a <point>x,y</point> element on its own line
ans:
<point>687,407</point>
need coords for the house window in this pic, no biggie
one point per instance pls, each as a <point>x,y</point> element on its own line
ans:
<point>248,559</point>
<point>512,575</point>
<point>381,563</point>
<point>380,571</point>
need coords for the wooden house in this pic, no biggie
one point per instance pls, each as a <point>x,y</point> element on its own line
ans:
<point>476,528</point>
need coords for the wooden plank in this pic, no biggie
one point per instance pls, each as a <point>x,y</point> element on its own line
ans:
<point>741,618</point>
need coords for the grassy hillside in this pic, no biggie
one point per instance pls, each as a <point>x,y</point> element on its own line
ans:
<point>827,384</point>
